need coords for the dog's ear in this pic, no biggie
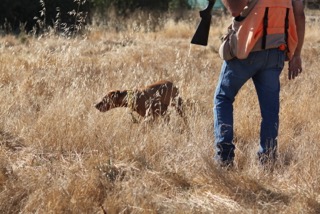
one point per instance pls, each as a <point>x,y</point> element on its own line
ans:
<point>123,93</point>
<point>114,94</point>
<point>120,94</point>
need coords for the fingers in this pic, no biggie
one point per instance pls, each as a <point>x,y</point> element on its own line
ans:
<point>294,73</point>
<point>295,68</point>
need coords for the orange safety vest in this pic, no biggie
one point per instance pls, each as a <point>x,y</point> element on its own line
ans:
<point>267,24</point>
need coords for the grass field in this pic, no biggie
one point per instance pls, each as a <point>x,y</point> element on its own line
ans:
<point>58,154</point>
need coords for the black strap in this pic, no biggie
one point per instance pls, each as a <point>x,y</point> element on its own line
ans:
<point>239,18</point>
<point>265,27</point>
<point>286,26</point>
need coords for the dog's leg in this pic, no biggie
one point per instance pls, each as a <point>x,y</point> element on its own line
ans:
<point>133,118</point>
<point>177,103</point>
<point>179,107</point>
<point>149,113</point>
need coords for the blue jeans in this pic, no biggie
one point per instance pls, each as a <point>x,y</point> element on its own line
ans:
<point>264,68</point>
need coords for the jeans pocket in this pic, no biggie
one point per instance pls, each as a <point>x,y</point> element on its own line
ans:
<point>281,59</point>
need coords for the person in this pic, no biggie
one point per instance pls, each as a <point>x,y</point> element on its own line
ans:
<point>269,35</point>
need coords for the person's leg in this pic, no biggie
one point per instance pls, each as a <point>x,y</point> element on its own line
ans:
<point>267,85</point>
<point>233,75</point>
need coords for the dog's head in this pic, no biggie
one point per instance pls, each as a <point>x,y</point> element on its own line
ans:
<point>112,100</point>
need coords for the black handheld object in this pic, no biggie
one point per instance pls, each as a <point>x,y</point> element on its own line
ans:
<point>202,33</point>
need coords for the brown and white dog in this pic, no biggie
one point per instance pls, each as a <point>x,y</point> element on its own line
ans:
<point>152,100</point>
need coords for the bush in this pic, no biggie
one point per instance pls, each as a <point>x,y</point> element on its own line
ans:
<point>18,12</point>
<point>39,14</point>
<point>65,15</point>
<point>70,15</point>
<point>124,6</point>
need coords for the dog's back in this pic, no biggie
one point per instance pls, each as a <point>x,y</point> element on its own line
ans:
<point>164,89</point>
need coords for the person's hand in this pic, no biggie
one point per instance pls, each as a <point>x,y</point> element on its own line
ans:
<point>295,67</point>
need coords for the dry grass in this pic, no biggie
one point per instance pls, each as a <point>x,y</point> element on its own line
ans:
<point>60,155</point>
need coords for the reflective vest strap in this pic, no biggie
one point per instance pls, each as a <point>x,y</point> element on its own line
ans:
<point>265,27</point>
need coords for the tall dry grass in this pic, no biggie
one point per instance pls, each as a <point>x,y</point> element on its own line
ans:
<point>58,154</point>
